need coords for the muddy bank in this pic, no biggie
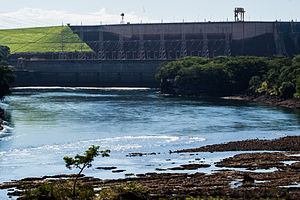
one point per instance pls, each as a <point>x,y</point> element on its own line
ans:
<point>289,143</point>
<point>293,103</point>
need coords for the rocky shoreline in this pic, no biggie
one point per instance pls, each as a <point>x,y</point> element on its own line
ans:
<point>243,176</point>
<point>293,103</point>
<point>289,143</point>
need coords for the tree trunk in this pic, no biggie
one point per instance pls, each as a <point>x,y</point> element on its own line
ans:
<point>74,184</point>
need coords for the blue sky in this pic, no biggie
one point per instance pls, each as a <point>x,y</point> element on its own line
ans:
<point>31,13</point>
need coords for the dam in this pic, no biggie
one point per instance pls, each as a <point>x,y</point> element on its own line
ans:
<point>129,54</point>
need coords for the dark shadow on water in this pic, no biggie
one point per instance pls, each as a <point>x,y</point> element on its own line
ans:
<point>219,102</point>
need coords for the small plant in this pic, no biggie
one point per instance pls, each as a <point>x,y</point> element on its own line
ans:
<point>59,190</point>
<point>127,191</point>
<point>84,161</point>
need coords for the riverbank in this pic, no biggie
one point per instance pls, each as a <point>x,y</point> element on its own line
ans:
<point>251,175</point>
<point>293,103</point>
<point>289,143</point>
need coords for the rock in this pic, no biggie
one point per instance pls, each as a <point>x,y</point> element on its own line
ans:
<point>128,196</point>
<point>289,143</point>
<point>118,171</point>
<point>190,167</point>
<point>140,154</point>
<point>106,168</point>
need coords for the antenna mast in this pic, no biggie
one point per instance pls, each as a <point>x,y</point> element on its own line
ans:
<point>122,21</point>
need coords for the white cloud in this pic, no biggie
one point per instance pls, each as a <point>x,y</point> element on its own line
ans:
<point>33,17</point>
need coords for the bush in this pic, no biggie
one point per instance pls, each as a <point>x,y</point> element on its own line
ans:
<point>130,191</point>
<point>231,75</point>
<point>255,83</point>
<point>297,94</point>
<point>59,191</point>
<point>4,55</point>
<point>6,73</point>
<point>287,90</point>
<point>6,80</point>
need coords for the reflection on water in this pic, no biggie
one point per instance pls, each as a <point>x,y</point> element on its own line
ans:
<point>47,124</point>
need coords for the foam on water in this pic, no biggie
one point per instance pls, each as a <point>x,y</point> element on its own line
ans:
<point>280,134</point>
<point>289,162</point>
<point>295,185</point>
<point>297,155</point>
<point>5,133</point>
<point>236,183</point>
<point>80,88</point>
<point>115,143</point>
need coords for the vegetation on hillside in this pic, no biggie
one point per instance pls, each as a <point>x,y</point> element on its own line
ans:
<point>6,73</point>
<point>279,76</point>
<point>44,39</point>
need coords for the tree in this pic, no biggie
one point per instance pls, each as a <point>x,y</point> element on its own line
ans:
<point>84,161</point>
<point>255,83</point>
<point>223,75</point>
<point>4,55</point>
<point>287,90</point>
<point>6,73</point>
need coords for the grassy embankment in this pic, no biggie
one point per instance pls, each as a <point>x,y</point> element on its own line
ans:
<point>44,39</point>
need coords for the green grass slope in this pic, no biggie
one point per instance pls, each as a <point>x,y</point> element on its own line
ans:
<point>44,39</point>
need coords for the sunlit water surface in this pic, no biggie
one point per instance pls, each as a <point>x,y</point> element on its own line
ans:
<point>46,124</point>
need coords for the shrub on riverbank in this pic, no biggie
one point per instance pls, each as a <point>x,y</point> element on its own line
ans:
<point>60,190</point>
<point>231,75</point>
<point>6,73</point>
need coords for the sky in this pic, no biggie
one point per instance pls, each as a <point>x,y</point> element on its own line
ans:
<point>39,13</point>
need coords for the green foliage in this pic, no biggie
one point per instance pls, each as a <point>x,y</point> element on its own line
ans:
<point>6,73</point>
<point>44,39</point>
<point>231,75</point>
<point>116,192</point>
<point>287,90</point>
<point>297,94</point>
<point>4,55</point>
<point>59,191</point>
<point>208,198</point>
<point>255,83</point>
<point>241,69</point>
<point>170,69</point>
<point>6,80</point>
<point>84,161</point>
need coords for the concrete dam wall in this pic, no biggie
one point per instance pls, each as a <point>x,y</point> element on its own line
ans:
<point>129,54</point>
<point>167,41</point>
<point>90,73</point>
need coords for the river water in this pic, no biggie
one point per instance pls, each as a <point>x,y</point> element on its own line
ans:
<point>46,124</point>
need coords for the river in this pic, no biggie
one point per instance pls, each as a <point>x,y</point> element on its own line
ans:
<point>45,124</point>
